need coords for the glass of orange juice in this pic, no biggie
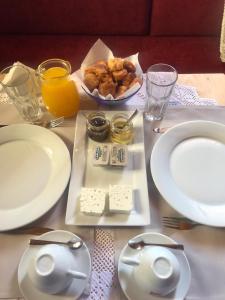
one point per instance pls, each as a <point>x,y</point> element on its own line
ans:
<point>59,92</point>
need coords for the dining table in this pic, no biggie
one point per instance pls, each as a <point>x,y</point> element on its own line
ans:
<point>204,245</point>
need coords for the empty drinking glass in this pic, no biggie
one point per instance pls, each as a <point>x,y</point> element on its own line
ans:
<point>19,85</point>
<point>160,82</point>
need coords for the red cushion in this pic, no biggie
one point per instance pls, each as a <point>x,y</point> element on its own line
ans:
<point>75,16</point>
<point>187,54</point>
<point>186,17</point>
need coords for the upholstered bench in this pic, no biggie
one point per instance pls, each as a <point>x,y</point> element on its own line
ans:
<point>182,33</point>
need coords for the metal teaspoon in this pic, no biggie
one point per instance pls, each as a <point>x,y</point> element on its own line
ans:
<point>71,244</point>
<point>141,244</point>
<point>130,118</point>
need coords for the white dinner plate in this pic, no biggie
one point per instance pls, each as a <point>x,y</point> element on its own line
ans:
<point>188,168</point>
<point>85,174</point>
<point>75,289</point>
<point>129,286</point>
<point>34,171</point>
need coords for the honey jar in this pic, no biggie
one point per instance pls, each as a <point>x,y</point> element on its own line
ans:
<point>122,131</point>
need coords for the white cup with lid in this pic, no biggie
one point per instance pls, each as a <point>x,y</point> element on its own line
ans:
<point>156,270</point>
<point>53,268</point>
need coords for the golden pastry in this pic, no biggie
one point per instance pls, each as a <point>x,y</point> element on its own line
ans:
<point>90,69</point>
<point>102,63</point>
<point>128,79</point>
<point>106,88</point>
<point>129,66</point>
<point>98,70</point>
<point>121,90</point>
<point>106,77</point>
<point>119,75</point>
<point>91,81</point>
<point>114,76</point>
<point>115,64</point>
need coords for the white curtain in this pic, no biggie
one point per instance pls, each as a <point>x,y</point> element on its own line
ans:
<point>222,38</point>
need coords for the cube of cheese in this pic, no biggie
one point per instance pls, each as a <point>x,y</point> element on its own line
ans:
<point>92,201</point>
<point>120,198</point>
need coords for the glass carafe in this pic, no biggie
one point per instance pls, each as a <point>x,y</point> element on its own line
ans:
<point>59,91</point>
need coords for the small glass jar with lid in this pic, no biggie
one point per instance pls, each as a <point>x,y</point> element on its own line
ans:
<point>122,132</point>
<point>98,126</point>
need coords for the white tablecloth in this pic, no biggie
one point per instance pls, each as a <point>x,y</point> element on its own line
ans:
<point>205,247</point>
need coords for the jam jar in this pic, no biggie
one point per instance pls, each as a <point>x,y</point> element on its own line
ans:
<point>98,126</point>
<point>122,132</point>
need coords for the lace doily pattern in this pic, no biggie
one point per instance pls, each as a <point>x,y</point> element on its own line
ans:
<point>104,273</point>
<point>222,38</point>
<point>182,94</point>
<point>4,99</point>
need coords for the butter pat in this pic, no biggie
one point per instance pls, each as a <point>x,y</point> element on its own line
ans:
<point>118,155</point>
<point>92,201</point>
<point>101,155</point>
<point>120,198</point>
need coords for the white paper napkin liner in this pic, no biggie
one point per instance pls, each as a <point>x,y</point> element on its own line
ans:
<point>99,51</point>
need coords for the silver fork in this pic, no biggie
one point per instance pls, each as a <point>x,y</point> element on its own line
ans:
<point>52,123</point>
<point>178,223</point>
<point>47,123</point>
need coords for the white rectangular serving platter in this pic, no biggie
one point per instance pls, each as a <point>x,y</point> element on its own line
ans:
<point>85,174</point>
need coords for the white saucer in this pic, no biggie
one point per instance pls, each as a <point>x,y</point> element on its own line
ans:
<point>82,255</point>
<point>127,283</point>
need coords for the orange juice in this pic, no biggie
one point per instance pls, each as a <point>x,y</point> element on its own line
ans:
<point>59,93</point>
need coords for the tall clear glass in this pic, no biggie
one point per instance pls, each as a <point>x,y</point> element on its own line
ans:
<point>160,81</point>
<point>20,87</point>
<point>59,92</point>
